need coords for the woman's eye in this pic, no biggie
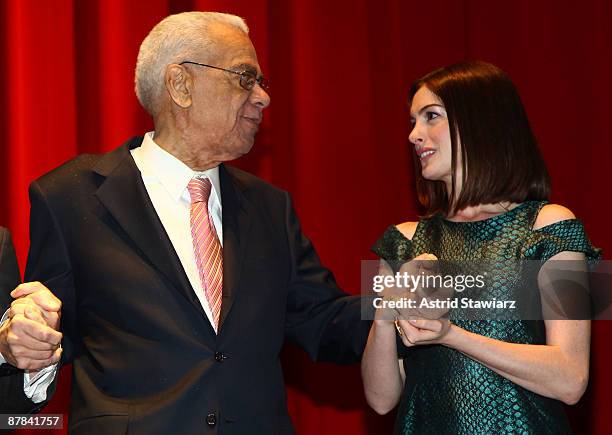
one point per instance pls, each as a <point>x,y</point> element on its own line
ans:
<point>431,115</point>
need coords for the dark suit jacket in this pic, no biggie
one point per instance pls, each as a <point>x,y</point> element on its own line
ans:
<point>12,398</point>
<point>9,271</point>
<point>145,357</point>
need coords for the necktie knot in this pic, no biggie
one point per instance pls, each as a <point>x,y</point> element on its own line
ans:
<point>199,189</point>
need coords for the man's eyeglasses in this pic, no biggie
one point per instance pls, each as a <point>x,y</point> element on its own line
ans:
<point>248,79</point>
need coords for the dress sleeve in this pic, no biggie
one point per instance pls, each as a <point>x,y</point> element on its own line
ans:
<point>393,247</point>
<point>566,235</point>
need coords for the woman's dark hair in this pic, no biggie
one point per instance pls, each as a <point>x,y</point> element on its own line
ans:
<point>500,157</point>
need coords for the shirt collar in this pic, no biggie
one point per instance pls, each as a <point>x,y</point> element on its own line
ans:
<point>172,173</point>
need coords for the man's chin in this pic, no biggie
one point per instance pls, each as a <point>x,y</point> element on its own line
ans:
<point>239,150</point>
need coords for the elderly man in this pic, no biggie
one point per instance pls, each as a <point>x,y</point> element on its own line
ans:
<point>179,276</point>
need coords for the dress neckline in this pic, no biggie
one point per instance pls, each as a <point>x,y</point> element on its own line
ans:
<point>489,219</point>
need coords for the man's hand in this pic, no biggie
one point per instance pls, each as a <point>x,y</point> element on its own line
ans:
<point>30,339</point>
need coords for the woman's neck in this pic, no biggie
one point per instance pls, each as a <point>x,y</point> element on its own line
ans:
<point>481,211</point>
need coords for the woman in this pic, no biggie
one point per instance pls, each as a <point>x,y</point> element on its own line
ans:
<point>484,185</point>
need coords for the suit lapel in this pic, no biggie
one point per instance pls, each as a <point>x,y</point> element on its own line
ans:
<point>236,226</point>
<point>124,195</point>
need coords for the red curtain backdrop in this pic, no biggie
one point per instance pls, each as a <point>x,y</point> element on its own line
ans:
<point>335,134</point>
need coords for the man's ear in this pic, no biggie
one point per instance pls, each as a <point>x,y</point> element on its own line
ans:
<point>179,85</point>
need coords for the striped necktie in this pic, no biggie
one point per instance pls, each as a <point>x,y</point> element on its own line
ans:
<point>206,246</point>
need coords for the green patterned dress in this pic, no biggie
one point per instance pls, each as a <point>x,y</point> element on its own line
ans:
<point>446,392</point>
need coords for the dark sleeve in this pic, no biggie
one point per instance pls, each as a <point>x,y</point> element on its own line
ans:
<point>48,262</point>
<point>12,396</point>
<point>322,319</point>
<point>9,271</point>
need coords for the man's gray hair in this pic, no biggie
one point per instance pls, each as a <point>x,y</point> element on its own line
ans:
<point>174,39</point>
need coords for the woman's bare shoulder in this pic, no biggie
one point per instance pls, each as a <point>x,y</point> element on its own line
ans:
<point>552,213</point>
<point>407,229</point>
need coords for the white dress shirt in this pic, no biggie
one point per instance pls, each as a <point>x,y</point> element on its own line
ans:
<point>166,178</point>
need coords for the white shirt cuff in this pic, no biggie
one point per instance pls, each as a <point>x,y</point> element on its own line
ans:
<point>36,389</point>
